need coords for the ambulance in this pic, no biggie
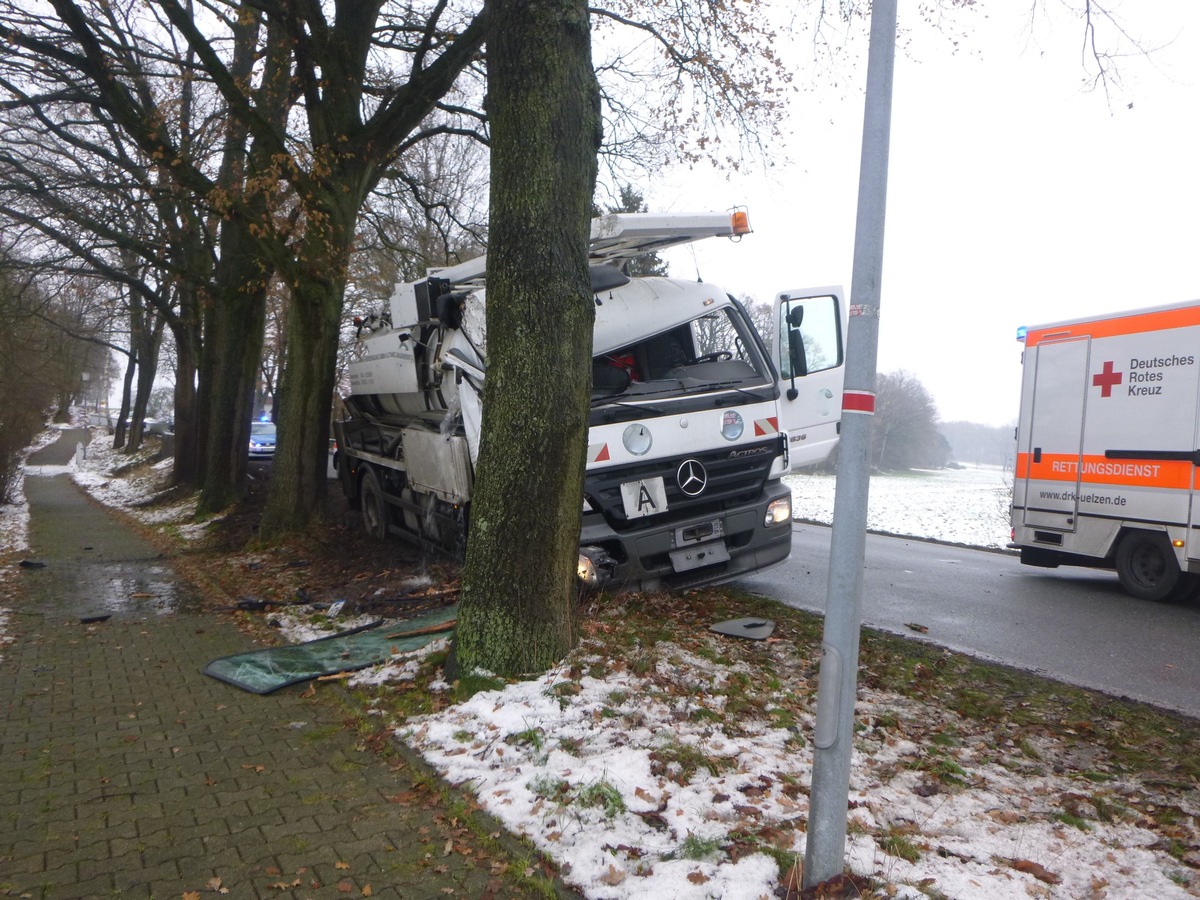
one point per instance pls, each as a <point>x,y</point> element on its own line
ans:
<point>1107,457</point>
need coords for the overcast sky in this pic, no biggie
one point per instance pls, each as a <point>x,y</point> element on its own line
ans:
<point>1016,196</point>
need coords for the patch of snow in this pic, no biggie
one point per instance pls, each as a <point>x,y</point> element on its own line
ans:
<point>534,758</point>
<point>960,506</point>
<point>545,764</point>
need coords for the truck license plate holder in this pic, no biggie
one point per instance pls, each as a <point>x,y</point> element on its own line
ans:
<point>645,497</point>
<point>699,555</point>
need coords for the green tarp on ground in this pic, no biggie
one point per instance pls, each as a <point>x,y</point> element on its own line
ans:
<point>264,671</point>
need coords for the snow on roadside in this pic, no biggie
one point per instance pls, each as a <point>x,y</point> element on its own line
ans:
<point>583,767</point>
<point>581,773</point>
<point>133,493</point>
<point>960,506</point>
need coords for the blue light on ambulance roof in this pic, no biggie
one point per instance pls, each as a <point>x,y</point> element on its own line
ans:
<point>1021,333</point>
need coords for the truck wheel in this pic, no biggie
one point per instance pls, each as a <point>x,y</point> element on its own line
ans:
<point>373,506</point>
<point>1146,566</point>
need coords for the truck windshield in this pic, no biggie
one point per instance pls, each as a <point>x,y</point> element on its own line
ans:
<point>715,351</point>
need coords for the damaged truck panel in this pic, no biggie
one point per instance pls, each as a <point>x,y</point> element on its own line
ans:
<point>685,450</point>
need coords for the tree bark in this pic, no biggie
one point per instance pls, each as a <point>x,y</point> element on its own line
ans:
<point>517,608</point>
<point>298,481</point>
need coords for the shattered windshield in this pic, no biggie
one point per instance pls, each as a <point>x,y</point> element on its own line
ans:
<point>716,350</point>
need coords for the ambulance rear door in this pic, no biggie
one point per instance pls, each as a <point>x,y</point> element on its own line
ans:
<point>1051,433</point>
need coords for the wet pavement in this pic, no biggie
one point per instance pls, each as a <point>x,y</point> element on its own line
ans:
<point>126,772</point>
<point>92,567</point>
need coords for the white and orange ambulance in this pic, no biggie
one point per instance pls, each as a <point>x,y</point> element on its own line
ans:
<point>1107,456</point>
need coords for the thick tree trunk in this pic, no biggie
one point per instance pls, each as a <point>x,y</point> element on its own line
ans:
<point>233,338</point>
<point>233,325</point>
<point>517,609</point>
<point>298,478</point>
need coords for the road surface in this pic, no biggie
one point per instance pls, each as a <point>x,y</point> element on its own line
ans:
<point>1074,625</point>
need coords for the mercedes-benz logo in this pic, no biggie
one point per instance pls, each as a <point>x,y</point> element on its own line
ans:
<point>691,477</point>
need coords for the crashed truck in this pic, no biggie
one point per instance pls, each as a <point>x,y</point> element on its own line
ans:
<point>693,421</point>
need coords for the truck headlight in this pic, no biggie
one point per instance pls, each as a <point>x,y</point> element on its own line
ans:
<point>779,511</point>
<point>595,566</point>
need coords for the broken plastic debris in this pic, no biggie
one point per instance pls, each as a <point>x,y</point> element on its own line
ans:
<point>754,628</point>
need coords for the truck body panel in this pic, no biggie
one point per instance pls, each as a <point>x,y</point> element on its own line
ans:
<point>685,445</point>
<point>1107,448</point>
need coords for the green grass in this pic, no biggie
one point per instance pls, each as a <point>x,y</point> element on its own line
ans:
<point>604,795</point>
<point>696,848</point>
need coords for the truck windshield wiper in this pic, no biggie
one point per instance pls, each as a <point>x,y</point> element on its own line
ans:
<point>611,400</point>
<point>691,387</point>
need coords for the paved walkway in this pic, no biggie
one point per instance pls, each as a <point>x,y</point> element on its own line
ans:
<point>126,772</point>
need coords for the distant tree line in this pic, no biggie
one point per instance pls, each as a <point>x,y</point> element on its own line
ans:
<point>989,445</point>
<point>906,432</point>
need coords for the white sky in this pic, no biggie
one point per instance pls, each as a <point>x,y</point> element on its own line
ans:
<point>1016,196</point>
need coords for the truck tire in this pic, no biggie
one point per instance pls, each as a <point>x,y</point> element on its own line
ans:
<point>1146,566</point>
<point>373,506</point>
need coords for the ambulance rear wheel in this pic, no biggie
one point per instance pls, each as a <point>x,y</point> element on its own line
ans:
<point>373,506</point>
<point>1146,566</point>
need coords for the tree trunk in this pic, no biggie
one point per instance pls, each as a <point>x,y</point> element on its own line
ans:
<point>122,425</point>
<point>517,609</point>
<point>233,325</point>
<point>186,331</point>
<point>233,339</point>
<point>298,476</point>
<point>148,339</point>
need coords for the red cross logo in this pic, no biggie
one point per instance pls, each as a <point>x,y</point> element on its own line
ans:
<point>1106,380</point>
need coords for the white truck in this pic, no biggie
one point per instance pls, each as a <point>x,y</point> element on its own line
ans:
<point>1107,455</point>
<point>692,425</point>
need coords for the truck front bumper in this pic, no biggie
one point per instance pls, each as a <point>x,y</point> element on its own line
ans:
<point>678,554</point>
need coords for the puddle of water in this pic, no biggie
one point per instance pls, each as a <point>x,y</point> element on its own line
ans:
<point>128,590</point>
<point>152,591</point>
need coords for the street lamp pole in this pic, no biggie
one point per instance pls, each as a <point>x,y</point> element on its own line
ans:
<point>825,850</point>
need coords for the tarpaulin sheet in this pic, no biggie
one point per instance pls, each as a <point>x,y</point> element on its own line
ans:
<point>264,671</point>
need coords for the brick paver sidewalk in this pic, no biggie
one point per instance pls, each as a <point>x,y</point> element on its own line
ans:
<point>126,772</point>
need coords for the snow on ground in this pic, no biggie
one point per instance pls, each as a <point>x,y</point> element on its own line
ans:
<point>960,506</point>
<point>584,779</point>
<point>581,773</point>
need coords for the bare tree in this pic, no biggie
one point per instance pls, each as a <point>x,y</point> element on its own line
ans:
<point>904,430</point>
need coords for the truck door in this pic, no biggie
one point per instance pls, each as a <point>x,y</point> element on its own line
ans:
<point>1052,438</point>
<point>810,329</point>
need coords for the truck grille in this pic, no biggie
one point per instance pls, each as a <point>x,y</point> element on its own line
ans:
<point>731,480</point>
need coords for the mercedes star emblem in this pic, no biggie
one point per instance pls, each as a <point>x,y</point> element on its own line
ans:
<point>691,477</point>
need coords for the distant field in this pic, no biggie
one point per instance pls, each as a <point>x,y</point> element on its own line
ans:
<point>964,506</point>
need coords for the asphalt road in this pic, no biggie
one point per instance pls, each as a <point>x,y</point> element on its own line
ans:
<point>1074,625</point>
